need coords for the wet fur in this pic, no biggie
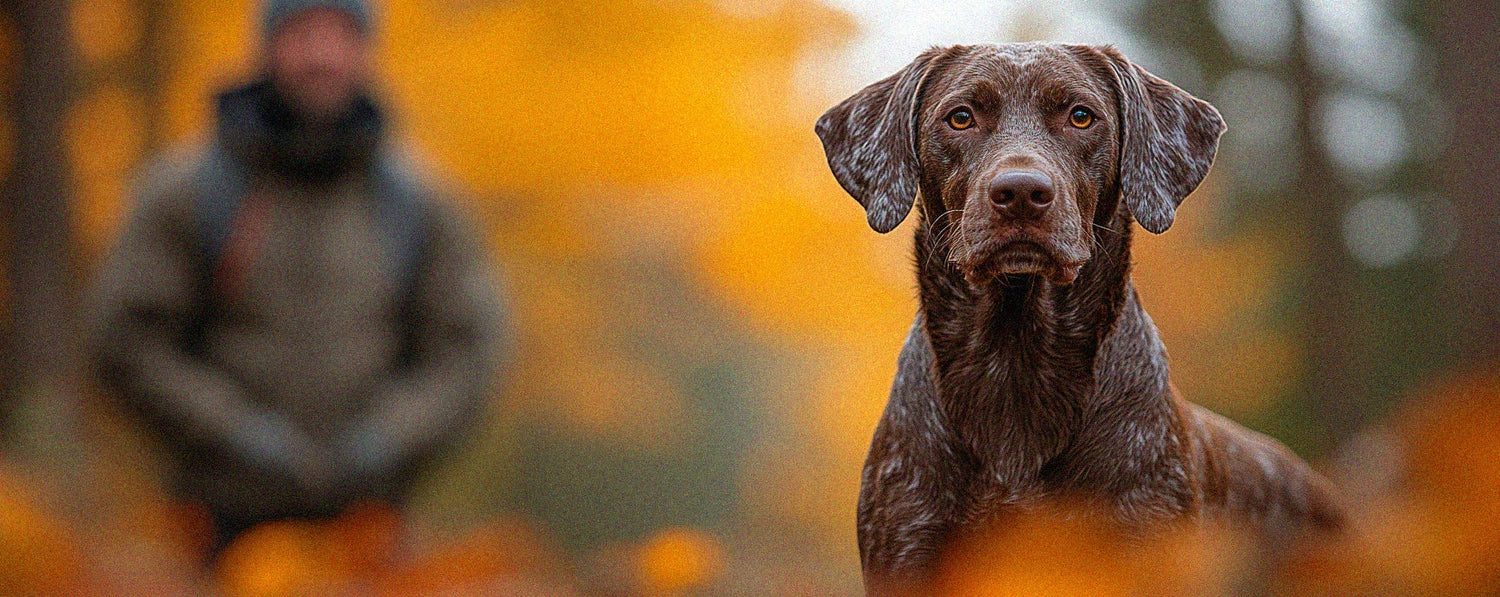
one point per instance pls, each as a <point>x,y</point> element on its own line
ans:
<point>1012,390</point>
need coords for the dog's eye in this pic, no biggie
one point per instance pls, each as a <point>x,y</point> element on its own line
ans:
<point>960,119</point>
<point>1081,118</point>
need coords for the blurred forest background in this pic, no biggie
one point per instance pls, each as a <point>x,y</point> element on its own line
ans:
<point>707,327</point>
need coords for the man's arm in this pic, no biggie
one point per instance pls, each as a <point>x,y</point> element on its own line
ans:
<point>457,327</point>
<point>146,299</point>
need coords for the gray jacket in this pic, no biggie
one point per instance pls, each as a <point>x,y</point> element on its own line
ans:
<point>295,368</point>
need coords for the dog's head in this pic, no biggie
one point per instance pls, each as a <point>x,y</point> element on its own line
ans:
<point>1024,144</point>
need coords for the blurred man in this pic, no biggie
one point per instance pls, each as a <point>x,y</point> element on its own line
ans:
<point>297,316</point>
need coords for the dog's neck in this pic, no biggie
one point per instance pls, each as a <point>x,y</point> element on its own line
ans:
<point>1015,356</point>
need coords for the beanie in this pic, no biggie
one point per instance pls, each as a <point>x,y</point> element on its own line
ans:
<point>275,13</point>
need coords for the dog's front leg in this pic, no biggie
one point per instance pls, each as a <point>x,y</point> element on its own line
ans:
<point>905,521</point>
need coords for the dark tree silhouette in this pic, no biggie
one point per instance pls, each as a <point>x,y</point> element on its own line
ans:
<point>40,340</point>
<point>1467,44</point>
<point>1335,335</point>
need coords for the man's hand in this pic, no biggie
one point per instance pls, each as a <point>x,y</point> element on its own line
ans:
<point>272,443</point>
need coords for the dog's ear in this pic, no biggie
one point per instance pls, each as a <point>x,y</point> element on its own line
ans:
<point>1167,143</point>
<point>871,143</point>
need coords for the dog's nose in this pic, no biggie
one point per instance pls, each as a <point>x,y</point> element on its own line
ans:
<point>1022,194</point>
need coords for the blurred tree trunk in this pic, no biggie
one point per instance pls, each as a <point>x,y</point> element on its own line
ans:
<point>1338,380</point>
<point>1467,36</point>
<point>40,341</point>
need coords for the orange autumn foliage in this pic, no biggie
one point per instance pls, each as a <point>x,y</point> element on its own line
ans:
<point>1060,551</point>
<point>678,561</point>
<point>38,554</point>
<point>366,552</point>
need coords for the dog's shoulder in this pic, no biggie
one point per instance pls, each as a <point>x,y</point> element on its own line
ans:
<point>912,422</point>
<point>1131,366</point>
<point>915,386</point>
<point>907,486</point>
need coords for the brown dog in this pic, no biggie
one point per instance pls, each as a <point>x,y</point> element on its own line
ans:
<point>1032,372</point>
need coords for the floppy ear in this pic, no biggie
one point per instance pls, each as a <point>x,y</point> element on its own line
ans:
<point>871,142</point>
<point>1167,143</point>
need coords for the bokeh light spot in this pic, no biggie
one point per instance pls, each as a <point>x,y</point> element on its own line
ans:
<point>1381,231</point>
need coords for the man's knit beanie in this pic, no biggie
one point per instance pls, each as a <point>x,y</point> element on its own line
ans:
<point>276,13</point>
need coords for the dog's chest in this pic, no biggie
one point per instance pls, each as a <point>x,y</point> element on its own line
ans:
<point>1138,493</point>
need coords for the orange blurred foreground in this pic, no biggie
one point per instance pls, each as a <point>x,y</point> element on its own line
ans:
<point>361,553</point>
<point>1425,489</point>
